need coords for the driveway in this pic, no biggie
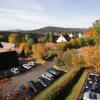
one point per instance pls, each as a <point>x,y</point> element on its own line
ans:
<point>23,78</point>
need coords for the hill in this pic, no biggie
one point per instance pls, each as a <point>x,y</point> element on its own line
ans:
<point>43,31</point>
<point>57,29</point>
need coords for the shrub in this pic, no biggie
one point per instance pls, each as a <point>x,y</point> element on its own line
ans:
<point>65,58</point>
<point>59,61</point>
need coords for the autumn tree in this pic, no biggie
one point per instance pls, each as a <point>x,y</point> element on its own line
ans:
<point>90,32</point>
<point>60,47</point>
<point>40,51</point>
<point>91,56</point>
<point>14,38</point>
<point>75,43</point>
<point>26,48</point>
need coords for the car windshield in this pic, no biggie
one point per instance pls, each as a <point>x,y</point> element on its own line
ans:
<point>93,95</point>
<point>48,75</point>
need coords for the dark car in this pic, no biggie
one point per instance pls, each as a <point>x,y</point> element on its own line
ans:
<point>93,87</point>
<point>7,74</point>
<point>91,77</point>
<point>36,85</point>
<point>31,83</point>
<point>43,81</point>
<point>29,93</point>
<point>53,71</point>
<point>22,69</point>
<point>89,86</point>
<point>22,88</point>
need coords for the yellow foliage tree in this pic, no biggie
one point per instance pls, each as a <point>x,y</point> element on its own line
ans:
<point>90,32</point>
<point>24,46</point>
<point>14,38</point>
<point>40,51</point>
<point>92,56</point>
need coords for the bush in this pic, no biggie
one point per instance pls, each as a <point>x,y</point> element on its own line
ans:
<point>65,58</point>
<point>59,61</point>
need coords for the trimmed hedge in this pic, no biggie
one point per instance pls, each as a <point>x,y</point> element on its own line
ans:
<point>62,87</point>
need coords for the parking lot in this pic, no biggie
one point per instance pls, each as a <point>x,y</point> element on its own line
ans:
<point>23,78</point>
<point>92,87</point>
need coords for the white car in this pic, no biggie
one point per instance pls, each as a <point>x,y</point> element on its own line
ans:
<point>27,66</point>
<point>48,76</point>
<point>91,96</point>
<point>15,70</point>
<point>31,63</point>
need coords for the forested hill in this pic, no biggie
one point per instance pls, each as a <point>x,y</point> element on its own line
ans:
<point>57,29</point>
<point>44,30</point>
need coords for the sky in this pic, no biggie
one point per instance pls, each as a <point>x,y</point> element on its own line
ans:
<point>34,14</point>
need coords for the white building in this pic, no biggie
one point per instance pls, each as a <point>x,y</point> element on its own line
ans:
<point>71,35</point>
<point>80,35</point>
<point>63,38</point>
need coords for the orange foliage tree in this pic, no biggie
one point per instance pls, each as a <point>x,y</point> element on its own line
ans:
<point>92,56</point>
<point>90,32</point>
<point>25,47</point>
<point>40,51</point>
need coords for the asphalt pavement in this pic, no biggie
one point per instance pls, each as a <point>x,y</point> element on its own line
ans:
<point>23,78</point>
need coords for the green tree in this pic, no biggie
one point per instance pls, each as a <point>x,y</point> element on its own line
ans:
<point>96,27</point>
<point>51,37</point>
<point>14,38</point>
<point>47,37</point>
<point>28,40</point>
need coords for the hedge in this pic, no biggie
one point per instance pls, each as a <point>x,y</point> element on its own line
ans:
<point>62,87</point>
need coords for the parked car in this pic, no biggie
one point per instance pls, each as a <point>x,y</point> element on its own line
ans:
<point>53,71</point>
<point>48,76</point>
<point>29,93</point>
<point>43,81</point>
<point>31,83</point>
<point>91,96</point>
<point>22,69</point>
<point>91,77</point>
<point>22,88</point>
<point>15,70</point>
<point>36,85</point>
<point>93,87</point>
<point>27,66</point>
<point>31,63</point>
<point>7,74</point>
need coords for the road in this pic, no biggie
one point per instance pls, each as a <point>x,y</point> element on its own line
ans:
<point>23,78</point>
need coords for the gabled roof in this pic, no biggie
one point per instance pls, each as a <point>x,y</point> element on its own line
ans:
<point>66,37</point>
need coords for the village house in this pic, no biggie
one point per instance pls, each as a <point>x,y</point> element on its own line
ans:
<point>63,38</point>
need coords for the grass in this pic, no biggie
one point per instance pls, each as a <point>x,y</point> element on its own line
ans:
<point>57,91</point>
<point>75,93</point>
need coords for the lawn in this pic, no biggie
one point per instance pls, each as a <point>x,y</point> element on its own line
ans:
<point>75,93</point>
